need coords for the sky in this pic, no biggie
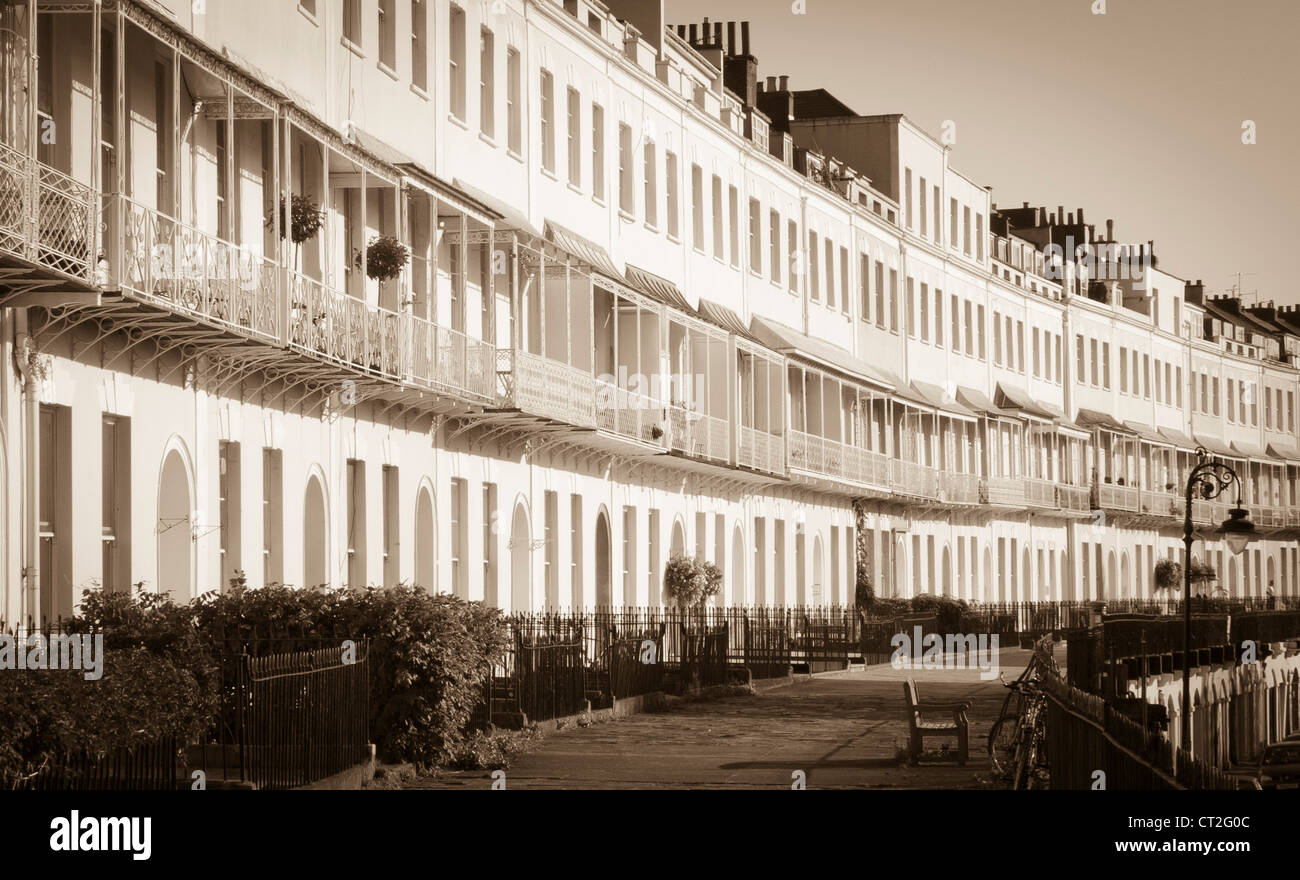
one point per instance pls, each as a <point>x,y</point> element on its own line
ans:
<point>1135,114</point>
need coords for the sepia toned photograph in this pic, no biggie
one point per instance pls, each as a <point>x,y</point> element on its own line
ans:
<point>695,395</point>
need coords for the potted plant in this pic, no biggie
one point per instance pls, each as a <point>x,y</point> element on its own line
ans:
<point>386,257</point>
<point>1168,578</point>
<point>305,220</point>
<point>689,581</point>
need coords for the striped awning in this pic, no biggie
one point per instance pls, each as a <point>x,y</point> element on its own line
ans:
<point>1091,418</point>
<point>1178,438</point>
<point>722,316</point>
<point>790,341</point>
<point>1011,397</point>
<point>658,288</point>
<point>586,250</point>
<point>1215,445</point>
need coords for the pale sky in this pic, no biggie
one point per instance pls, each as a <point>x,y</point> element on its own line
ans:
<point>1134,115</point>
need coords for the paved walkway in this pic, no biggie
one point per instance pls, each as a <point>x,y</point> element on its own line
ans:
<point>841,731</point>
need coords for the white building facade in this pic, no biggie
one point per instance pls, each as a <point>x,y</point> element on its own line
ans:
<point>641,316</point>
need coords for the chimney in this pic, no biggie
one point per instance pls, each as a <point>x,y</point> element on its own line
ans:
<point>740,70</point>
<point>717,34</point>
<point>1024,204</point>
<point>744,38</point>
<point>771,84</point>
<point>1110,230</point>
<point>785,83</point>
<point>1071,218</point>
<point>694,35</point>
<point>1060,213</point>
<point>731,38</point>
<point>1080,213</point>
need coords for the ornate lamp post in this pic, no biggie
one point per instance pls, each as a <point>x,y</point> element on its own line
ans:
<point>1208,479</point>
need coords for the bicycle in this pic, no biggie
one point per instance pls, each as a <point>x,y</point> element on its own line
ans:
<point>1017,742</point>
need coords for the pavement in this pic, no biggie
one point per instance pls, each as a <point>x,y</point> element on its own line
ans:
<point>839,730</point>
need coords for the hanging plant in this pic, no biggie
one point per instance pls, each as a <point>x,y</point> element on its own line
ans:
<point>307,219</point>
<point>386,257</point>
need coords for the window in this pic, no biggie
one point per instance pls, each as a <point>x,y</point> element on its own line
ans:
<point>115,525</point>
<point>907,195</point>
<point>352,22</point>
<point>965,230</point>
<point>1079,372</point>
<point>598,152</point>
<point>486,83</point>
<point>626,199</point>
<point>356,508</point>
<point>1178,390</point>
<point>514,110</point>
<point>920,192</point>
<point>1105,365</point>
<point>864,287</point>
<point>551,560</point>
<point>629,556</point>
<point>893,300</point>
<point>1123,369</point>
<point>936,232</point>
<point>392,525</point>
<point>459,537</point>
<point>755,237</point>
<point>1037,361</point>
<point>548,121</point>
<point>651,197</point>
<point>997,338</point>
<point>456,61</point>
<point>1020,346</point>
<point>910,305</point>
<point>574,112</point>
<point>925,311</point>
<point>979,237</point>
<point>814,277</point>
<point>230,520</point>
<point>844,280</point>
<point>955,340</point>
<point>1146,376</point>
<point>880,295</point>
<point>717,219</point>
<point>670,185</point>
<point>575,549</point>
<point>733,218</point>
<point>979,328</point>
<point>970,329</point>
<point>419,51</point>
<point>489,543</point>
<point>952,223</point>
<point>387,34</point>
<point>792,249</point>
<point>1093,361</point>
<point>830,273</point>
<point>774,245</point>
<point>697,207</point>
<point>272,516</point>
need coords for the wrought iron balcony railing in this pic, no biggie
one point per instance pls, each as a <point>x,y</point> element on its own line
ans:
<point>631,414</point>
<point>698,435</point>
<point>835,459</point>
<point>46,217</point>
<point>760,450</point>
<point>547,388</point>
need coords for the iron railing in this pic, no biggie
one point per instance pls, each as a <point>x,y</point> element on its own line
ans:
<point>46,217</point>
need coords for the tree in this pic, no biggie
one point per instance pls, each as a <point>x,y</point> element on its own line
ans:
<point>1168,577</point>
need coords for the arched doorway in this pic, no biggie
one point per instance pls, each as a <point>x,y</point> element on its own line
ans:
<point>315,545</point>
<point>425,538</point>
<point>521,563</point>
<point>817,571</point>
<point>947,572</point>
<point>1125,582</point>
<point>738,592</point>
<point>677,544</point>
<point>175,537</point>
<point>603,574</point>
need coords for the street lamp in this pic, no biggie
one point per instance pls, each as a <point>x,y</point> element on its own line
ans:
<point>1208,479</point>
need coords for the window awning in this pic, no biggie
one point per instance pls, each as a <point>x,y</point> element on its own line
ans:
<point>973,398</point>
<point>721,316</point>
<point>1178,438</point>
<point>511,217</point>
<point>787,340</point>
<point>1010,397</point>
<point>1288,453</point>
<point>658,288</point>
<point>421,178</point>
<point>1248,448</point>
<point>941,400</point>
<point>1146,432</point>
<point>586,250</point>
<point>1091,418</point>
<point>1214,445</point>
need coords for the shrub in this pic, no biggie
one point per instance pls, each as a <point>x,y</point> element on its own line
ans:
<point>690,581</point>
<point>948,611</point>
<point>141,697</point>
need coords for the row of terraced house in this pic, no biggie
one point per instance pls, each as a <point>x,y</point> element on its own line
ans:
<point>654,304</point>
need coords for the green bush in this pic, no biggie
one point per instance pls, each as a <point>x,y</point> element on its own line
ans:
<point>429,655</point>
<point>141,697</point>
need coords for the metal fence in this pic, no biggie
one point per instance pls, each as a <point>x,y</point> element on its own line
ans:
<point>290,714</point>
<point>1085,736</point>
<point>153,766</point>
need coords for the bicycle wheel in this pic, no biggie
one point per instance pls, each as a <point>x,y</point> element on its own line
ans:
<point>1003,737</point>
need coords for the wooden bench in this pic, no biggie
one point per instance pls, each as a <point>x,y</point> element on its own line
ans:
<point>919,727</point>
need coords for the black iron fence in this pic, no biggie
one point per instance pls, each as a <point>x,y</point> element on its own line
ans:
<point>154,766</point>
<point>1089,744</point>
<point>293,711</point>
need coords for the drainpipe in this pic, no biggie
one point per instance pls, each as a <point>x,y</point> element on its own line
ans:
<point>23,348</point>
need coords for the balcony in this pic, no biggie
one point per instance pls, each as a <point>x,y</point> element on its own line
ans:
<point>1112,497</point>
<point>1076,499</point>
<point>1005,491</point>
<point>447,360</point>
<point>46,217</point>
<point>1040,493</point>
<point>909,478</point>
<point>697,435</point>
<point>760,451</point>
<point>543,387</point>
<point>630,413</point>
<point>840,460</point>
<point>173,265</point>
<point>1161,503</point>
<point>960,488</point>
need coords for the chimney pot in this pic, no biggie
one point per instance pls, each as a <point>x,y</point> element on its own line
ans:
<point>744,38</point>
<point>717,35</point>
<point>1024,204</point>
<point>1110,230</point>
<point>785,83</point>
<point>731,38</point>
<point>1080,212</point>
<point>694,34</point>
<point>771,84</point>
